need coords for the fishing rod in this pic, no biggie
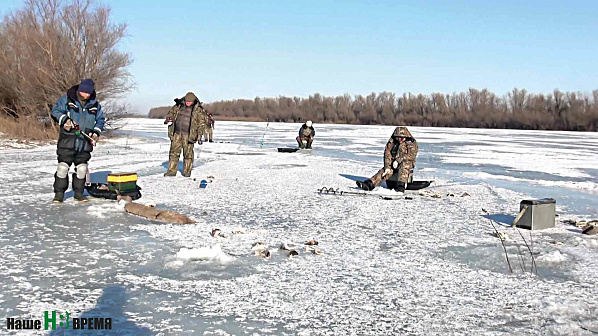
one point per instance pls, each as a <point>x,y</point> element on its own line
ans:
<point>79,132</point>
<point>268,124</point>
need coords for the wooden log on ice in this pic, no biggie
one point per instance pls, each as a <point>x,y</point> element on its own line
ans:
<point>152,213</point>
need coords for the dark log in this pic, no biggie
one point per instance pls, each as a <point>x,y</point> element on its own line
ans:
<point>152,213</point>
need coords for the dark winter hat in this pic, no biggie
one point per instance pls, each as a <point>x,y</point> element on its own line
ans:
<point>86,86</point>
<point>190,97</point>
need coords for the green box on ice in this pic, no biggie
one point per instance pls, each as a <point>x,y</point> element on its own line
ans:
<point>122,182</point>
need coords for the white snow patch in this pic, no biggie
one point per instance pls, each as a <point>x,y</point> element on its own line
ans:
<point>585,185</point>
<point>106,209</point>
<point>213,254</point>
<point>553,257</point>
<point>481,175</point>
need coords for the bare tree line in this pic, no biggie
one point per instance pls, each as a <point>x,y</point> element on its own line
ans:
<point>474,108</point>
<point>48,46</point>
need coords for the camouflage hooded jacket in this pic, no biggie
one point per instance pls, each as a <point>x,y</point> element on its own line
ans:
<point>307,132</point>
<point>395,150</point>
<point>199,118</point>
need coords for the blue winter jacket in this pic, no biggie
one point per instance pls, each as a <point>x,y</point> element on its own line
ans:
<point>89,118</point>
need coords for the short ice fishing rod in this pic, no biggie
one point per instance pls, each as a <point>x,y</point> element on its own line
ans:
<point>267,124</point>
<point>79,132</point>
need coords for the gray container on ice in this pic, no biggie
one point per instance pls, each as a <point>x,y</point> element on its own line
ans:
<point>539,214</point>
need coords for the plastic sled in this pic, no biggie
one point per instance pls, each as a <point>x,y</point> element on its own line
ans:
<point>100,190</point>
<point>288,150</point>
<point>415,185</point>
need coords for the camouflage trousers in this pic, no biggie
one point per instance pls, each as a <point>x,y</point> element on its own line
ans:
<point>180,142</point>
<point>208,134</point>
<point>300,140</point>
<point>403,172</point>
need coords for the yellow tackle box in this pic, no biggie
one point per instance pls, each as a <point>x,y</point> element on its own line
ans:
<point>122,182</point>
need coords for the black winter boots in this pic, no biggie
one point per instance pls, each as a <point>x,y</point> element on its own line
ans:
<point>60,186</point>
<point>79,188</point>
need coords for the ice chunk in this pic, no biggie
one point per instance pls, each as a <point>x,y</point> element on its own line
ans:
<point>213,253</point>
<point>554,257</point>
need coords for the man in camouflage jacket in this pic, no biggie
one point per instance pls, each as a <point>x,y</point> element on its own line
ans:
<point>307,134</point>
<point>399,158</point>
<point>209,131</point>
<point>186,123</point>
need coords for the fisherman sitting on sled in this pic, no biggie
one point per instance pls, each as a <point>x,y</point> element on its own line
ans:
<point>399,158</point>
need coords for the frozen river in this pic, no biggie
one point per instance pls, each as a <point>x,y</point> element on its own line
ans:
<point>424,266</point>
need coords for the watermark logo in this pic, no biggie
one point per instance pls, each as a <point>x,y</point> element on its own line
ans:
<point>52,319</point>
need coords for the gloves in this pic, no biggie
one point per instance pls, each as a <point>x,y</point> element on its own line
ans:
<point>68,124</point>
<point>387,172</point>
<point>396,163</point>
<point>94,136</point>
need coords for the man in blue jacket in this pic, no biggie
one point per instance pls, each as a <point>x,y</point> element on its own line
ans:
<point>81,122</point>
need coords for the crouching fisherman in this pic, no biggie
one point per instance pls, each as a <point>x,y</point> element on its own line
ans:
<point>306,133</point>
<point>399,158</point>
<point>81,122</point>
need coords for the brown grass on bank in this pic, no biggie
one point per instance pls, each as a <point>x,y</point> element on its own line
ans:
<point>27,129</point>
<point>47,46</point>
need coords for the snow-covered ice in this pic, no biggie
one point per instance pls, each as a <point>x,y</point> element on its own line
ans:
<point>426,266</point>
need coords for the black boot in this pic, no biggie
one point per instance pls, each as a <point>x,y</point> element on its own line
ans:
<point>366,185</point>
<point>79,188</point>
<point>60,186</point>
<point>58,197</point>
<point>400,188</point>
